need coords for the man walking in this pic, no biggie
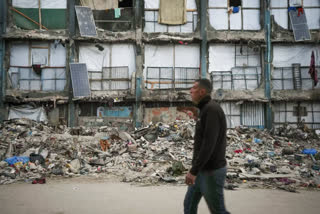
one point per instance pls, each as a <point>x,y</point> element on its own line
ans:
<point>207,174</point>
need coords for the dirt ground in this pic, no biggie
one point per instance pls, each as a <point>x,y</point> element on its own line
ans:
<point>87,195</point>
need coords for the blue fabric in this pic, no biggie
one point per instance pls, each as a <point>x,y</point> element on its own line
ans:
<point>235,10</point>
<point>292,8</point>
<point>16,159</point>
<point>210,186</point>
<point>309,151</point>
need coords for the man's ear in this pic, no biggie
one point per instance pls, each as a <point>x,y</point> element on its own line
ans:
<point>203,91</point>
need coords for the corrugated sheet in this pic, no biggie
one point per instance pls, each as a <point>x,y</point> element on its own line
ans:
<point>252,114</point>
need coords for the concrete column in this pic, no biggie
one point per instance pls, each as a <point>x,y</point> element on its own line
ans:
<point>138,110</point>
<point>71,58</point>
<point>3,25</point>
<point>267,62</point>
<point>204,41</point>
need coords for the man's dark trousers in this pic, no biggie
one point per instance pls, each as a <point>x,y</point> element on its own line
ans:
<point>210,186</point>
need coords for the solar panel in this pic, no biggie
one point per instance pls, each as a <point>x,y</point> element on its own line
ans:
<point>86,21</point>
<point>80,80</point>
<point>299,24</point>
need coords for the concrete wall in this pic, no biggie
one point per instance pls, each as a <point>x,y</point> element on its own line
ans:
<point>169,114</point>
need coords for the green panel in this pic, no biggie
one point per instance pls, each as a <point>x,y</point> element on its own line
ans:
<point>54,18</point>
<point>23,22</point>
<point>51,18</point>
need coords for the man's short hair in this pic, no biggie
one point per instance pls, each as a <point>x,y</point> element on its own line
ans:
<point>205,84</point>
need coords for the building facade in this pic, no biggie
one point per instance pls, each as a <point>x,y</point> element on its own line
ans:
<point>141,58</point>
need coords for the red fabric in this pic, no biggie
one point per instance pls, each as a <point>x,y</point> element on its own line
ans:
<point>313,71</point>
<point>300,11</point>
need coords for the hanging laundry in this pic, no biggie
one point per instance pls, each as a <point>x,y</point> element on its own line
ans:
<point>117,13</point>
<point>313,71</point>
<point>235,3</point>
<point>292,8</point>
<point>300,11</point>
<point>37,69</point>
<point>235,10</point>
<point>172,12</point>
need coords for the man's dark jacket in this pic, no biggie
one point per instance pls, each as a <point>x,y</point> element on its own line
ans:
<point>210,138</point>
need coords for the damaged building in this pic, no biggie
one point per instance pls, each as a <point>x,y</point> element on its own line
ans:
<point>99,62</point>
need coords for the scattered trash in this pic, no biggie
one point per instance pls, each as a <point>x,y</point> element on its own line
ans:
<point>287,159</point>
<point>39,181</point>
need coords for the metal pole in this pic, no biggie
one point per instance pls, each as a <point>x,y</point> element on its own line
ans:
<point>40,18</point>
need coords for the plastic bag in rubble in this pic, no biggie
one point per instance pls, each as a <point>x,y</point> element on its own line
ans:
<point>35,157</point>
<point>16,159</point>
<point>309,151</point>
<point>176,169</point>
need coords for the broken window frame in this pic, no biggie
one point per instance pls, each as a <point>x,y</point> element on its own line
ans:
<point>284,79</point>
<point>290,113</point>
<point>242,16</point>
<point>236,77</point>
<point>289,27</point>
<point>114,20</point>
<point>40,79</point>
<point>155,12</point>
<point>172,79</point>
<point>109,79</point>
<point>34,77</point>
<point>230,77</point>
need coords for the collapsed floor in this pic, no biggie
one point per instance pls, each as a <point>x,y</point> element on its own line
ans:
<point>286,159</point>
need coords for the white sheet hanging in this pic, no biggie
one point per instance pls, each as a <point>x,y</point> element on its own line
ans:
<point>47,4</point>
<point>29,112</point>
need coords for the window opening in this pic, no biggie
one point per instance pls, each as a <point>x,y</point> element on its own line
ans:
<point>125,3</point>
<point>234,3</point>
<point>307,113</point>
<point>234,15</point>
<point>292,78</point>
<point>169,77</point>
<point>111,78</point>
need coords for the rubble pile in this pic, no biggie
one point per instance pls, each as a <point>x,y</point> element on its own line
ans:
<point>32,151</point>
<point>286,161</point>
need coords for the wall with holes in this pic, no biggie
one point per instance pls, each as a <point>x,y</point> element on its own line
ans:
<point>224,16</point>
<point>234,66</point>
<point>285,57</point>
<point>110,66</point>
<point>37,66</point>
<point>169,66</point>
<point>279,9</point>
<point>151,18</point>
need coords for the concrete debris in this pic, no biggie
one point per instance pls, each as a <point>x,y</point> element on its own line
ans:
<point>286,159</point>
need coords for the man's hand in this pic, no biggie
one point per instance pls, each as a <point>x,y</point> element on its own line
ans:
<point>190,179</point>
